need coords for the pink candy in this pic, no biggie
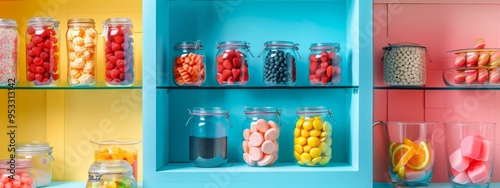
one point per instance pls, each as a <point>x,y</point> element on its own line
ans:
<point>260,145</point>
<point>470,146</point>
<point>21,180</point>
<point>458,161</point>
<point>469,162</point>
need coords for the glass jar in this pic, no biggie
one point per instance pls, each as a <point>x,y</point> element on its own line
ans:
<point>312,136</point>
<point>40,154</point>
<point>208,136</point>
<point>279,62</point>
<point>119,52</point>
<point>232,67</point>
<point>42,52</point>
<point>119,148</point>
<point>324,64</point>
<point>17,173</point>
<point>9,43</point>
<point>260,136</point>
<point>81,40</point>
<point>112,173</point>
<point>189,63</point>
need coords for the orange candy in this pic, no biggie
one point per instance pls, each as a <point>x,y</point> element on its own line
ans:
<point>189,69</point>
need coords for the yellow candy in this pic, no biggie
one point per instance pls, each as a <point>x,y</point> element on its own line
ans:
<point>301,163</point>
<point>310,164</point>
<point>297,155</point>
<point>324,134</point>
<point>304,133</point>
<point>327,127</point>
<point>324,160</point>
<point>305,157</point>
<point>316,160</point>
<point>307,148</point>
<point>296,132</point>
<point>111,185</point>
<point>322,139</point>
<point>322,146</point>
<point>315,133</point>
<point>315,152</point>
<point>329,133</point>
<point>328,141</point>
<point>317,117</point>
<point>299,122</point>
<point>307,125</point>
<point>298,148</point>
<point>328,152</point>
<point>301,140</point>
<point>313,141</point>
<point>318,124</point>
<point>301,117</point>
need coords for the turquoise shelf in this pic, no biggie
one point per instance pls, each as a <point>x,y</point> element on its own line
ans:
<point>67,184</point>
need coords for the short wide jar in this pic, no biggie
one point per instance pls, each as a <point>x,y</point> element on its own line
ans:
<point>405,64</point>
<point>325,64</point>
<point>189,63</point>
<point>119,148</point>
<point>279,62</point>
<point>40,153</point>
<point>260,136</point>
<point>17,173</point>
<point>232,66</point>
<point>112,173</point>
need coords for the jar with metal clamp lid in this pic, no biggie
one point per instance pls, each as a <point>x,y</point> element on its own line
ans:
<point>231,59</point>
<point>324,64</point>
<point>189,63</point>
<point>40,154</point>
<point>279,62</point>
<point>9,46</point>
<point>111,173</point>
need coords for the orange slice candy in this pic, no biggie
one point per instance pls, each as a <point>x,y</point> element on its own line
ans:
<point>402,154</point>
<point>421,158</point>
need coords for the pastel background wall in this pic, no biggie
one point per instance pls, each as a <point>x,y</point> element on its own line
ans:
<point>69,119</point>
<point>440,26</point>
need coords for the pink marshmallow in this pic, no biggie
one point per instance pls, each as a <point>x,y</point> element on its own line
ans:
<point>484,155</point>
<point>458,162</point>
<point>268,147</point>
<point>271,134</point>
<point>256,139</point>
<point>478,172</point>
<point>471,146</point>
<point>272,124</point>
<point>262,125</point>
<point>266,160</point>
<point>246,134</point>
<point>414,175</point>
<point>454,172</point>
<point>255,153</point>
<point>246,158</point>
<point>461,178</point>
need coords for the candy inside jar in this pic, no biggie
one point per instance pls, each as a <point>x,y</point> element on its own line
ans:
<point>111,173</point>
<point>118,149</point>
<point>22,174</point>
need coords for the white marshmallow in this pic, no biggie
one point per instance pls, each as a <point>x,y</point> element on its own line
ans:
<point>78,63</point>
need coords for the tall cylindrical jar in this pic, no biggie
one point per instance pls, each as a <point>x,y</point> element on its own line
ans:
<point>208,136</point>
<point>112,173</point>
<point>9,46</point>
<point>261,136</point>
<point>42,52</point>
<point>117,148</point>
<point>324,64</point>
<point>17,173</point>
<point>231,59</point>
<point>81,40</point>
<point>40,154</point>
<point>189,63</point>
<point>279,62</point>
<point>119,52</point>
<point>312,133</point>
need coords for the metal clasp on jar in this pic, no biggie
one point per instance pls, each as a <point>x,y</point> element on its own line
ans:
<point>227,113</point>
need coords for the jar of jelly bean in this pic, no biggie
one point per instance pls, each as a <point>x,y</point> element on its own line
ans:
<point>118,148</point>
<point>17,173</point>
<point>232,67</point>
<point>81,40</point>
<point>279,62</point>
<point>189,63</point>
<point>208,136</point>
<point>9,43</point>
<point>111,173</point>
<point>40,154</point>
<point>260,136</point>
<point>42,52</point>
<point>312,136</point>
<point>119,52</point>
<point>324,64</point>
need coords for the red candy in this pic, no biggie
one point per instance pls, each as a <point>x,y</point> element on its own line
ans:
<point>42,56</point>
<point>324,68</point>
<point>119,54</point>
<point>232,68</point>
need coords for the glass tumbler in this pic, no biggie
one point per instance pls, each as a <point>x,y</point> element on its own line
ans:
<point>410,148</point>
<point>470,153</point>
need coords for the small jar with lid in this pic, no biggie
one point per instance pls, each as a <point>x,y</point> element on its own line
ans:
<point>324,64</point>
<point>111,173</point>
<point>279,62</point>
<point>42,52</point>
<point>17,173</point>
<point>40,154</point>
<point>118,148</point>
<point>260,136</point>
<point>189,63</point>
<point>119,52</point>
<point>81,40</point>
<point>312,136</point>
<point>208,136</point>
<point>232,66</point>
<point>9,43</point>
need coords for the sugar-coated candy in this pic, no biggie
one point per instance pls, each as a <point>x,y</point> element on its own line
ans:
<point>261,147</point>
<point>312,143</point>
<point>8,53</point>
<point>119,53</point>
<point>112,183</point>
<point>324,68</point>
<point>189,69</point>
<point>21,179</point>
<point>42,47</point>
<point>232,68</point>
<point>116,152</point>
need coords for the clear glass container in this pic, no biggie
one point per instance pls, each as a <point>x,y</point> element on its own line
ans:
<point>40,154</point>
<point>119,52</point>
<point>405,64</point>
<point>312,136</point>
<point>9,46</point>
<point>232,66</point>
<point>324,64</point>
<point>208,136</point>
<point>81,40</point>
<point>189,63</point>
<point>279,62</point>
<point>118,148</point>
<point>42,52</point>
<point>17,173</point>
<point>112,173</point>
<point>261,132</point>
